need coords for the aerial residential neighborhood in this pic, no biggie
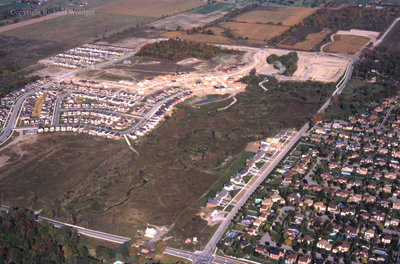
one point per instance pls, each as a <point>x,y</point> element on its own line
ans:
<point>334,198</point>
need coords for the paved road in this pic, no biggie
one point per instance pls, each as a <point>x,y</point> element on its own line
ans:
<point>81,230</point>
<point>18,104</point>
<point>57,108</point>
<point>386,32</point>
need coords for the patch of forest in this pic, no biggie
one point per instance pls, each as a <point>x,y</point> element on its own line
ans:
<point>11,79</point>
<point>375,77</point>
<point>177,49</point>
<point>289,61</point>
<point>24,240</point>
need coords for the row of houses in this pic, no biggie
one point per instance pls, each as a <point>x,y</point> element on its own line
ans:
<point>88,54</point>
<point>237,182</point>
<point>158,116</point>
<point>81,129</point>
<point>38,108</point>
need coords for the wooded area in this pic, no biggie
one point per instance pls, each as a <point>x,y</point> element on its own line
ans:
<point>289,61</point>
<point>177,49</point>
<point>11,79</point>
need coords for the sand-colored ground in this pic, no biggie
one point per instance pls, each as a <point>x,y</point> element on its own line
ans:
<point>311,66</point>
<point>325,68</point>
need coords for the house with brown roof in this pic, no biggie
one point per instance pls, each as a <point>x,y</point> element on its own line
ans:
<point>304,259</point>
<point>343,247</point>
<point>320,207</point>
<point>323,244</point>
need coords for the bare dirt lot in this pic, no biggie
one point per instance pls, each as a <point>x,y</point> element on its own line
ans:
<point>310,66</point>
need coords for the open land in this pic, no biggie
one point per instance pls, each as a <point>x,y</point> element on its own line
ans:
<point>185,147</point>
<point>50,37</point>
<point>254,33</point>
<point>350,41</point>
<point>305,39</point>
<point>196,18</point>
<point>346,44</point>
<point>286,16</point>
<point>148,8</point>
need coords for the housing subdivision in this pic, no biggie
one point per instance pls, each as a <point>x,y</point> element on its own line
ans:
<point>335,198</point>
<point>88,54</point>
<point>267,151</point>
<point>90,107</point>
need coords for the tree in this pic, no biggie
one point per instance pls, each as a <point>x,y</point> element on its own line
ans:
<point>104,253</point>
<point>160,247</point>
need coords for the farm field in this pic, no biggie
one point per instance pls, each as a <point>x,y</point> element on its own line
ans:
<point>47,38</point>
<point>75,30</point>
<point>195,18</point>
<point>305,41</point>
<point>253,33</point>
<point>148,8</point>
<point>346,44</point>
<point>286,16</point>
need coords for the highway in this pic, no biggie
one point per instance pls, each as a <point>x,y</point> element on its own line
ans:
<point>386,32</point>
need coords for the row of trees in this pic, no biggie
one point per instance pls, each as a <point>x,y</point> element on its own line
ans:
<point>177,49</point>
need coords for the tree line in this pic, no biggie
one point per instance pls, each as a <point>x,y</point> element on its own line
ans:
<point>177,49</point>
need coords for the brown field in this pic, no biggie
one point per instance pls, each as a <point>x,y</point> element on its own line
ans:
<point>346,44</point>
<point>148,8</point>
<point>312,40</point>
<point>256,33</point>
<point>76,30</point>
<point>288,16</point>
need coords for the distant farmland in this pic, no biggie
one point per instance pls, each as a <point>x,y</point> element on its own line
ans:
<point>346,44</point>
<point>305,39</point>
<point>253,33</point>
<point>148,8</point>
<point>286,16</point>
